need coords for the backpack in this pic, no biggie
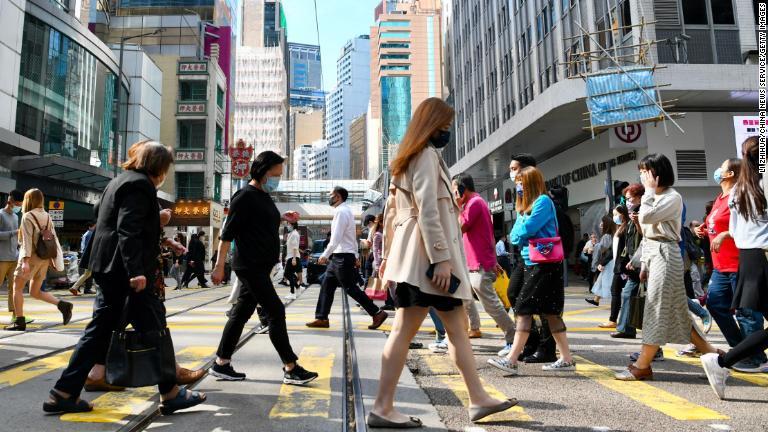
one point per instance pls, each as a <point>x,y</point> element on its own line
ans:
<point>46,247</point>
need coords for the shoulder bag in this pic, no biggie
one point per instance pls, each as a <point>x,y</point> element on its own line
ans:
<point>547,250</point>
<point>637,307</point>
<point>140,359</point>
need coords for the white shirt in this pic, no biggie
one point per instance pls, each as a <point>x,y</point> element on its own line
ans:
<point>501,250</point>
<point>292,244</point>
<point>343,232</point>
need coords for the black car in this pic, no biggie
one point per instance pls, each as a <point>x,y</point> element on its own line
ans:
<point>315,270</point>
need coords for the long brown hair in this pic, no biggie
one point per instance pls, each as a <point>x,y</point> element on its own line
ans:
<point>378,223</point>
<point>431,115</point>
<point>533,187</point>
<point>622,210</point>
<point>33,199</point>
<point>748,192</point>
<point>609,227</point>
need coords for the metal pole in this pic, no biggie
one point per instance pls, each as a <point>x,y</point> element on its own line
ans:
<point>118,87</point>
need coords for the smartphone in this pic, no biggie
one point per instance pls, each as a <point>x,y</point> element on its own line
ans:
<point>454,284</point>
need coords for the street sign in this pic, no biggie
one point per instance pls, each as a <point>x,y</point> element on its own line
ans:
<point>56,215</point>
<point>58,223</point>
<point>55,205</point>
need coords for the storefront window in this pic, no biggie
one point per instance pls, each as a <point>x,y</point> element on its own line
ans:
<point>65,97</point>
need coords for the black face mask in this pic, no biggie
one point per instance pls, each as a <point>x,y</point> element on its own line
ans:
<point>441,140</point>
<point>331,202</point>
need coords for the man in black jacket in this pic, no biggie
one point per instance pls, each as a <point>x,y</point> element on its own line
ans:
<point>195,262</point>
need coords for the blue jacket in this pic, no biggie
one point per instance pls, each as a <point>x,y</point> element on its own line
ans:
<point>84,240</point>
<point>540,223</point>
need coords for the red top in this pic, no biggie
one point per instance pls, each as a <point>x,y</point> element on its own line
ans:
<point>727,260</point>
<point>479,244</point>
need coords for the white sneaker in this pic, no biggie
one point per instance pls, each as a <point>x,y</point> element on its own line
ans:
<point>716,374</point>
<point>439,347</point>
<point>560,366</point>
<point>505,351</point>
<point>290,297</point>
<point>505,365</point>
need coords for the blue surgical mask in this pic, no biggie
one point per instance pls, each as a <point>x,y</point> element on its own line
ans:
<point>271,184</point>
<point>519,189</point>
<point>718,175</point>
<point>17,209</point>
<point>617,220</point>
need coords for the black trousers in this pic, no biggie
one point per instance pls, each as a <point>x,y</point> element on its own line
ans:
<point>617,285</point>
<point>753,344</point>
<point>540,339</point>
<point>341,271</point>
<point>257,289</point>
<point>192,271</point>
<point>291,273</point>
<point>146,313</point>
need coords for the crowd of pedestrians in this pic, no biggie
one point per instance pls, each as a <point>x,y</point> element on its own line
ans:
<point>435,251</point>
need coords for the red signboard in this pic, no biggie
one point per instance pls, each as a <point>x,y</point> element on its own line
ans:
<point>241,158</point>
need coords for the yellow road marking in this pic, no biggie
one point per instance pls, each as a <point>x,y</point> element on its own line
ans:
<point>313,400</point>
<point>114,407</point>
<point>760,379</point>
<point>588,310</point>
<point>26,372</point>
<point>450,377</point>
<point>648,395</point>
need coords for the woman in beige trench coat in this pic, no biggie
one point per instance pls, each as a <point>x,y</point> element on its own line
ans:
<point>421,229</point>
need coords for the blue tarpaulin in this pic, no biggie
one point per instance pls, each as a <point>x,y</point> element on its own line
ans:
<point>614,98</point>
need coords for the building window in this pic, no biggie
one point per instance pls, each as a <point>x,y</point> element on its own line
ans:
<point>220,97</point>
<point>192,134</point>
<point>395,24</point>
<point>190,185</point>
<point>219,139</point>
<point>395,34</point>
<point>395,56</point>
<point>193,90</point>
<point>396,113</point>
<point>395,68</point>
<point>65,97</point>
<point>395,45</point>
<point>217,187</point>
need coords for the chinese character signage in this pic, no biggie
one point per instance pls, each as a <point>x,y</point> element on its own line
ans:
<point>241,158</point>
<point>190,156</point>
<point>194,213</point>
<point>743,128</point>
<point>193,68</point>
<point>188,108</point>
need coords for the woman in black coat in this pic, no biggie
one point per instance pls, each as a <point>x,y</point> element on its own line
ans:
<point>123,259</point>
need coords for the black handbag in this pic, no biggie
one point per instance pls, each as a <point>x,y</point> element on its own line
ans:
<point>140,359</point>
<point>636,308</point>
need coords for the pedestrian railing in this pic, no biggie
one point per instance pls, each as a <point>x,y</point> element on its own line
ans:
<point>353,409</point>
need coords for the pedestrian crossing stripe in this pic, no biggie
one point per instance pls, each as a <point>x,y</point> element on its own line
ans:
<point>760,379</point>
<point>648,395</point>
<point>447,373</point>
<point>314,399</point>
<point>115,407</point>
<point>31,370</point>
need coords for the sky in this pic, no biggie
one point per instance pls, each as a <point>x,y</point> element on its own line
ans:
<point>339,21</point>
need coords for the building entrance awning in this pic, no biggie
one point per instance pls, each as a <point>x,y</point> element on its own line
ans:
<point>64,169</point>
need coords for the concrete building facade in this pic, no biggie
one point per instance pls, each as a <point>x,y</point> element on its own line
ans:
<point>358,149</point>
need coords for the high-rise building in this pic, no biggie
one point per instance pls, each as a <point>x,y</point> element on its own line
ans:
<point>317,164</point>
<point>305,78</point>
<point>358,160</point>
<point>58,130</point>
<point>347,101</point>
<point>406,59</point>
<point>301,157</point>
<point>512,93</point>
<point>305,127</point>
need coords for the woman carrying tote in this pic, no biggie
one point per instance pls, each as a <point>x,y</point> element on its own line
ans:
<point>543,292</point>
<point>124,262</point>
<point>421,231</point>
<point>36,236</point>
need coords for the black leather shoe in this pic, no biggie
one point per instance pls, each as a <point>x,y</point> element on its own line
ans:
<point>622,335</point>
<point>540,357</point>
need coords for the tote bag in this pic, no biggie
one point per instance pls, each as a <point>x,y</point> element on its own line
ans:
<point>140,359</point>
<point>636,308</point>
<point>376,289</point>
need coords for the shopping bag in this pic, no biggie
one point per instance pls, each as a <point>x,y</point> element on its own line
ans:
<point>140,359</point>
<point>636,308</point>
<point>501,285</point>
<point>376,289</point>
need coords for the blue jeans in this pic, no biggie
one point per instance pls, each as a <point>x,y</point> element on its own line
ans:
<point>439,327</point>
<point>630,288</point>
<point>719,299</point>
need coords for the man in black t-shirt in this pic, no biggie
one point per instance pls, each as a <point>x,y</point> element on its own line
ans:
<point>253,223</point>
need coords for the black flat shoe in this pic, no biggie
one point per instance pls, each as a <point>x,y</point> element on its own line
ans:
<point>185,399</point>
<point>60,404</point>
<point>622,335</point>
<point>66,311</point>
<point>592,301</point>
<point>376,421</point>
<point>539,357</point>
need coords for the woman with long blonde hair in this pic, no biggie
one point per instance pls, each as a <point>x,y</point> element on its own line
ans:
<point>32,268</point>
<point>422,236</point>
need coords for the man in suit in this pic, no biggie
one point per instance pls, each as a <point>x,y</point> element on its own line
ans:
<point>195,262</point>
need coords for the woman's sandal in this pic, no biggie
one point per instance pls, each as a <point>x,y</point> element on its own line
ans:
<point>185,399</point>
<point>60,404</point>
<point>479,413</point>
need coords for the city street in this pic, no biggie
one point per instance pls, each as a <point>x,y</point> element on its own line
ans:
<point>589,399</point>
